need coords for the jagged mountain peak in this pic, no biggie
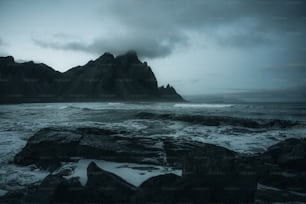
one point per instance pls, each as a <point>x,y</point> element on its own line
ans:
<point>7,60</point>
<point>123,77</point>
<point>129,57</point>
<point>106,58</point>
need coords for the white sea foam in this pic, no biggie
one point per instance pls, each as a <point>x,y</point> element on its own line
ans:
<point>264,187</point>
<point>3,192</point>
<point>134,174</point>
<point>249,142</point>
<point>19,122</point>
<point>63,107</point>
<point>14,177</point>
<point>114,104</point>
<point>201,105</point>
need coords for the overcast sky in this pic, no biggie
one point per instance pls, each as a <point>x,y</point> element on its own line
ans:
<point>198,46</point>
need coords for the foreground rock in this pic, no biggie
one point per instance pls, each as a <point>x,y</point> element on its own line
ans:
<point>281,170</point>
<point>53,189</point>
<point>105,187</point>
<point>110,186</point>
<point>222,176</point>
<point>290,154</point>
<point>102,187</point>
<point>51,146</point>
<point>166,188</point>
<point>210,173</point>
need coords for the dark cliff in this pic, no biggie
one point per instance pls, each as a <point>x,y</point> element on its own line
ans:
<point>107,78</point>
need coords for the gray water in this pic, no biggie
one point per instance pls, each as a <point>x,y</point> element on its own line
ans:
<point>20,121</point>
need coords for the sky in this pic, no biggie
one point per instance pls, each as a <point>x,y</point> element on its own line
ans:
<point>198,46</point>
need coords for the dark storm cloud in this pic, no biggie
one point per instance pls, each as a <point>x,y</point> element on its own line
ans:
<point>146,46</point>
<point>250,19</point>
<point>244,39</point>
<point>156,28</point>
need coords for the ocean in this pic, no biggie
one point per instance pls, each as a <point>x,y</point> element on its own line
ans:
<point>245,127</point>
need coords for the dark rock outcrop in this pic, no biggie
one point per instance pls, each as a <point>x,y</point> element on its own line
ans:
<point>166,188</point>
<point>211,174</point>
<point>169,93</point>
<point>53,189</point>
<point>50,146</point>
<point>7,60</point>
<point>23,81</point>
<point>281,172</point>
<point>290,154</point>
<point>108,185</point>
<point>220,175</point>
<point>107,78</point>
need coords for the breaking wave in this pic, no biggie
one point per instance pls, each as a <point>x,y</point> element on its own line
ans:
<point>202,105</point>
<point>222,120</point>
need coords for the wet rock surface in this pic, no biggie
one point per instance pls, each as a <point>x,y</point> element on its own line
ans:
<point>50,146</point>
<point>112,187</point>
<point>221,176</point>
<point>281,172</point>
<point>211,174</point>
<point>53,189</point>
<point>289,154</point>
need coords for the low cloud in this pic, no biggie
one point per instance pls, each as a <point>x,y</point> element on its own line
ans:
<point>150,47</point>
<point>156,28</point>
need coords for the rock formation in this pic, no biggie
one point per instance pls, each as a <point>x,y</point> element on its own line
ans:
<point>211,174</point>
<point>107,78</point>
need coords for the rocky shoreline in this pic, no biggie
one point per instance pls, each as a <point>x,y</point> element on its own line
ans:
<point>210,174</point>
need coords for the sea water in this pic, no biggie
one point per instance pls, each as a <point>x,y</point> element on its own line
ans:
<point>18,122</point>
